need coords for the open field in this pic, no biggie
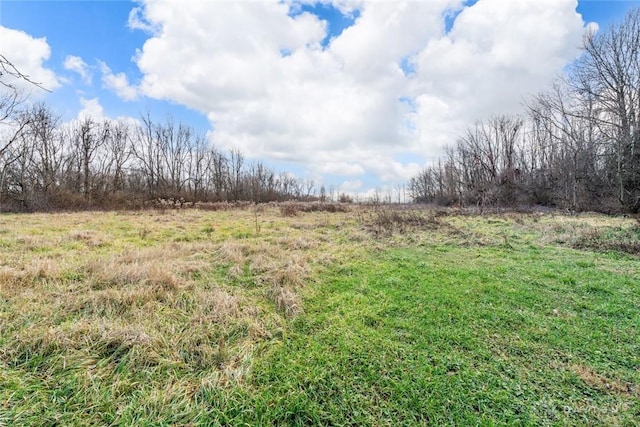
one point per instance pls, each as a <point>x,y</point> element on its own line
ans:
<point>275,316</point>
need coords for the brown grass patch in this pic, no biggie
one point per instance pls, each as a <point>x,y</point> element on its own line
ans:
<point>89,238</point>
<point>235,272</point>
<point>10,277</point>
<point>296,243</point>
<point>115,273</point>
<point>120,339</point>
<point>619,240</point>
<point>386,221</point>
<point>99,340</point>
<point>261,263</point>
<point>154,267</point>
<point>114,302</point>
<point>159,301</point>
<point>45,268</point>
<point>291,276</point>
<point>286,300</point>
<point>31,243</point>
<point>216,305</point>
<point>289,209</point>
<point>232,252</point>
<point>600,382</point>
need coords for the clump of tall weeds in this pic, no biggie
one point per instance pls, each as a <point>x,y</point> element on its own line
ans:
<point>387,221</point>
<point>617,239</point>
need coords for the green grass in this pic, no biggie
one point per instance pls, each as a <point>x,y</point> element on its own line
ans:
<point>463,337</point>
<point>356,318</point>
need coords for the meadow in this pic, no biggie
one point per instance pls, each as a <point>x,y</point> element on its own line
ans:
<point>305,315</point>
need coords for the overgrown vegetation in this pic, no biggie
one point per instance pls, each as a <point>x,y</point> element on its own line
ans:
<point>372,316</point>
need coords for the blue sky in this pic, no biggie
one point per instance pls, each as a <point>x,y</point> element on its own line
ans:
<point>350,93</point>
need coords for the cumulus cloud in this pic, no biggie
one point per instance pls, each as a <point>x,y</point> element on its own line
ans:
<point>91,108</point>
<point>119,83</point>
<point>340,168</point>
<point>77,65</point>
<point>497,53</point>
<point>351,187</point>
<point>395,81</point>
<point>28,55</point>
<point>389,170</point>
<point>137,21</point>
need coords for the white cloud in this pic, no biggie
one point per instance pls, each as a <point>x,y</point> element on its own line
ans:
<point>341,168</point>
<point>91,108</point>
<point>350,187</point>
<point>28,55</point>
<point>137,21</point>
<point>77,65</point>
<point>350,106</point>
<point>389,170</point>
<point>119,83</point>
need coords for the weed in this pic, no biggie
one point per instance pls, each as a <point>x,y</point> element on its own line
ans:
<point>257,222</point>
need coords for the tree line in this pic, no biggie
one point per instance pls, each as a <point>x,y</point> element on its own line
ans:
<point>576,146</point>
<point>47,164</point>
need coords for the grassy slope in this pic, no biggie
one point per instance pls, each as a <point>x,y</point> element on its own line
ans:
<point>465,321</point>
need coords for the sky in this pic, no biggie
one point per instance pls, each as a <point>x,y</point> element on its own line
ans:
<point>359,95</point>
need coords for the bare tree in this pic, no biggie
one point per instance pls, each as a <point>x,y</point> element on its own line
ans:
<point>146,151</point>
<point>87,138</point>
<point>236,165</point>
<point>609,72</point>
<point>11,99</point>
<point>218,173</point>
<point>118,149</point>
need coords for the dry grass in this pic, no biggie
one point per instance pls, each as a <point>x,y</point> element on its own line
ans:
<point>90,237</point>
<point>232,252</point>
<point>194,290</point>
<point>217,306</point>
<point>595,232</point>
<point>286,300</point>
<point>602,383</point>
<point>112,273</point>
